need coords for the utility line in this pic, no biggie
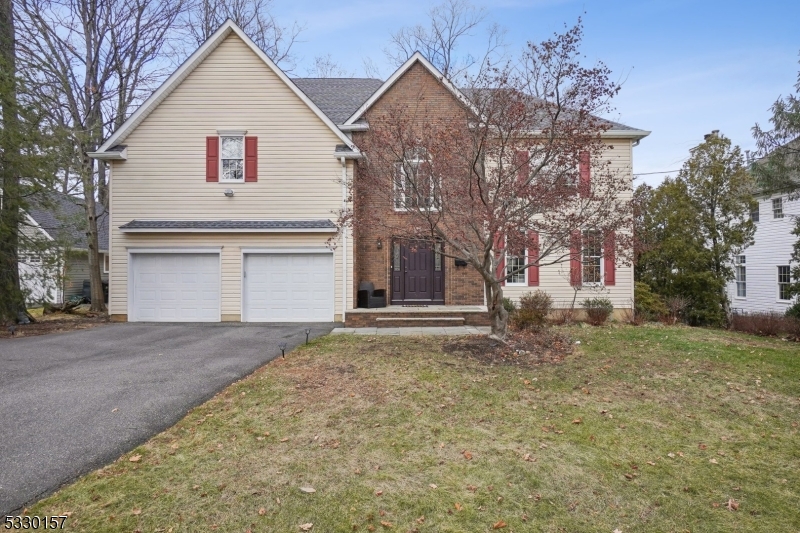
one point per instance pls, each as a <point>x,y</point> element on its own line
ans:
<point>650,173</point>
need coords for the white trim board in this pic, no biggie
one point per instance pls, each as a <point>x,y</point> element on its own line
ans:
<point>188,67</point>
<point>224,230</point>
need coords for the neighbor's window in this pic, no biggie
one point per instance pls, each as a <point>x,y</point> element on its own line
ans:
<point>232,158</point>
<point>777,208</point>
<point>514,262</point>
<point>784,278</point>
<point>414,185</point>
<point>741,276</point>
<point>592,257</point>
<point>754,213</point>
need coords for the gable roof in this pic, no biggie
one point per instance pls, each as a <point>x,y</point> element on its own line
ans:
<point>106,151</point>
<point>62,217</point>
<point>338,97</point>
<point>415,58</point>
<point>615,130</point>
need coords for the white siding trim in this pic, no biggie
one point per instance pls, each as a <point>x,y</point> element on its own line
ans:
<point>301,250</point>
<point>174,250</point>
<point>227,230</point>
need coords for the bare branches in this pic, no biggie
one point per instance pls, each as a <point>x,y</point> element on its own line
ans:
<point>451,23</point>
<point>204,17</point>
<point>326,67</point>
<point>503,170</point>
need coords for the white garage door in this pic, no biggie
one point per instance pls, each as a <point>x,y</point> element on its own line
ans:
<point>175,287</point>
<point>288,287</point>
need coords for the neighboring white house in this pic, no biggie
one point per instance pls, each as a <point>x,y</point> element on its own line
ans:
<point>763,270</point>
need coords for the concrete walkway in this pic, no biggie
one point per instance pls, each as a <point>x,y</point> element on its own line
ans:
<point>452,330</point>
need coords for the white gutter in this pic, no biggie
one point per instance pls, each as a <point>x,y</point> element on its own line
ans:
<point>353,127</point>
<point>344,238</point>
<point>110,156</point>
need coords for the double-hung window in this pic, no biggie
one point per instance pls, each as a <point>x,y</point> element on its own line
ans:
<point>777,208</point>
<point>231,158</point>
<point>741,276</point>
<point>514,262</point>
<point>592,257</point>
<point>754,214</point>
<point>784,279</point>
<point>415,186</point>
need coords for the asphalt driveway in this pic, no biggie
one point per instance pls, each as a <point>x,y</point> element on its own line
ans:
<point>72,402</point>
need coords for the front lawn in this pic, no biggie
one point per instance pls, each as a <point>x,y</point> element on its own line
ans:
<point>640,429</point>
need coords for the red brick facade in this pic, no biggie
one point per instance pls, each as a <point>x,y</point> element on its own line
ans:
<point>462,285</point>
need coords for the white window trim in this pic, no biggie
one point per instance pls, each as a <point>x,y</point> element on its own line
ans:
<point>402,191</point>
<point>106,263</point>
<point>778,282</point>
<point>231,135</point>
<point>783,215</point>
<point>523,283</point>
<point>740,264</point>
<point>602,282</point>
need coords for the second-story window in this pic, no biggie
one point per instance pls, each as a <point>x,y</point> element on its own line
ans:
<point>777,208</point>
<point>415,187</point>
<point>232,158</point>
<point>754,213</point>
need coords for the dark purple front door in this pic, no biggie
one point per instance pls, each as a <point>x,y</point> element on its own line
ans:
<point>417,273</point>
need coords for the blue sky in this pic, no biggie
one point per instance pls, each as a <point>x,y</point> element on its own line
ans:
<point>688,66</point>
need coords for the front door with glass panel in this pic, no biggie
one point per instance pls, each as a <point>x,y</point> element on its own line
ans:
<point>417,273</point>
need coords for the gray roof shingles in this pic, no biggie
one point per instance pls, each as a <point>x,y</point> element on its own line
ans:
<point>62,216</point>
<point>338,98</point>
<point>228,224</point>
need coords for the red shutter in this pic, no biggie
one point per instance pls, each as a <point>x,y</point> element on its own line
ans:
<point>533,256</point>
<point>212,158</point>
<point>610,262</point>
<point>251,159</point>
<point>575,273</point>
<point>585,183</point>
<point>523,164</point>
<point>500,254</point>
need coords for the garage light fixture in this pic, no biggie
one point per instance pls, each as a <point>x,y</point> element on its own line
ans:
<point>308,330</point>
<point>228,193</point>
<point>282,346</point>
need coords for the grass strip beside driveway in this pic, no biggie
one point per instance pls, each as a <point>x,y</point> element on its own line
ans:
<point>641,429</point>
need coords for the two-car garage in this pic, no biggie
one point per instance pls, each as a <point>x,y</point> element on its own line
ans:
<point>277,285</point>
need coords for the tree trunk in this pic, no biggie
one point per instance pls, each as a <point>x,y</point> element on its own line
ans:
<point>90,205</point>
<point>497,313</point>
<point>12,302</point>
<point>102,185</point>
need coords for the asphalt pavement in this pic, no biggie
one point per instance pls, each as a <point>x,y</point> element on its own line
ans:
<point>72,402</point>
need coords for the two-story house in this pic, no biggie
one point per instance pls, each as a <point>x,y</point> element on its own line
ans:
<point>225,185</point>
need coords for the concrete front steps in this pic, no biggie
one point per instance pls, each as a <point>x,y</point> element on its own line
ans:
<point>418,316</point>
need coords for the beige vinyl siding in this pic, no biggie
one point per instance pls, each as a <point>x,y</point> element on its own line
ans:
<point>164,175</point>
<point>554,279</point>
<point>77,271</point>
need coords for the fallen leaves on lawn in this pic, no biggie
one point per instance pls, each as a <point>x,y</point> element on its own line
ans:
<point>306,527</point>
<point>732,505</point>
<point>577,421</point>
<point>387,524</point>
<point>378,493</point>
<point>308,490</point>
<point>499,525</point>
<point>458,506</point>
<point>138,511</point>
<point>262,512</point>
<point>135,458</point>
<point>713,461</point>
<point>467,455</point>
<point>433,486</point>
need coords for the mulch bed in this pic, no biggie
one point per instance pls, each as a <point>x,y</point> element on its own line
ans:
<point>522,348</point>
<point>52,325</point>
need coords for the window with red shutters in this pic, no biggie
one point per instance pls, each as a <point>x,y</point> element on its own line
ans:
<point>533,257</point>
<point>575,270</point>
<point>609,259</point>
<point>250,159</point>
<point>212,158</point>
<point>585,183</point>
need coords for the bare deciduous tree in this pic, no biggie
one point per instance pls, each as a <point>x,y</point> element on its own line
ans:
<point>326,67</point>
<point>451,22</point>
<point>503,175</point>
<point>90,62</point>
<point>255,18</point>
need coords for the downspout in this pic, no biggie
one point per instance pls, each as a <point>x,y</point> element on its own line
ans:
<point>344,239</point>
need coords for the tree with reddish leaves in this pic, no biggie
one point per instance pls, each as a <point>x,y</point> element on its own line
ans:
<point>518,171</point>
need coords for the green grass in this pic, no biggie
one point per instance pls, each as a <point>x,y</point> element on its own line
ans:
<point>673,423</point>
